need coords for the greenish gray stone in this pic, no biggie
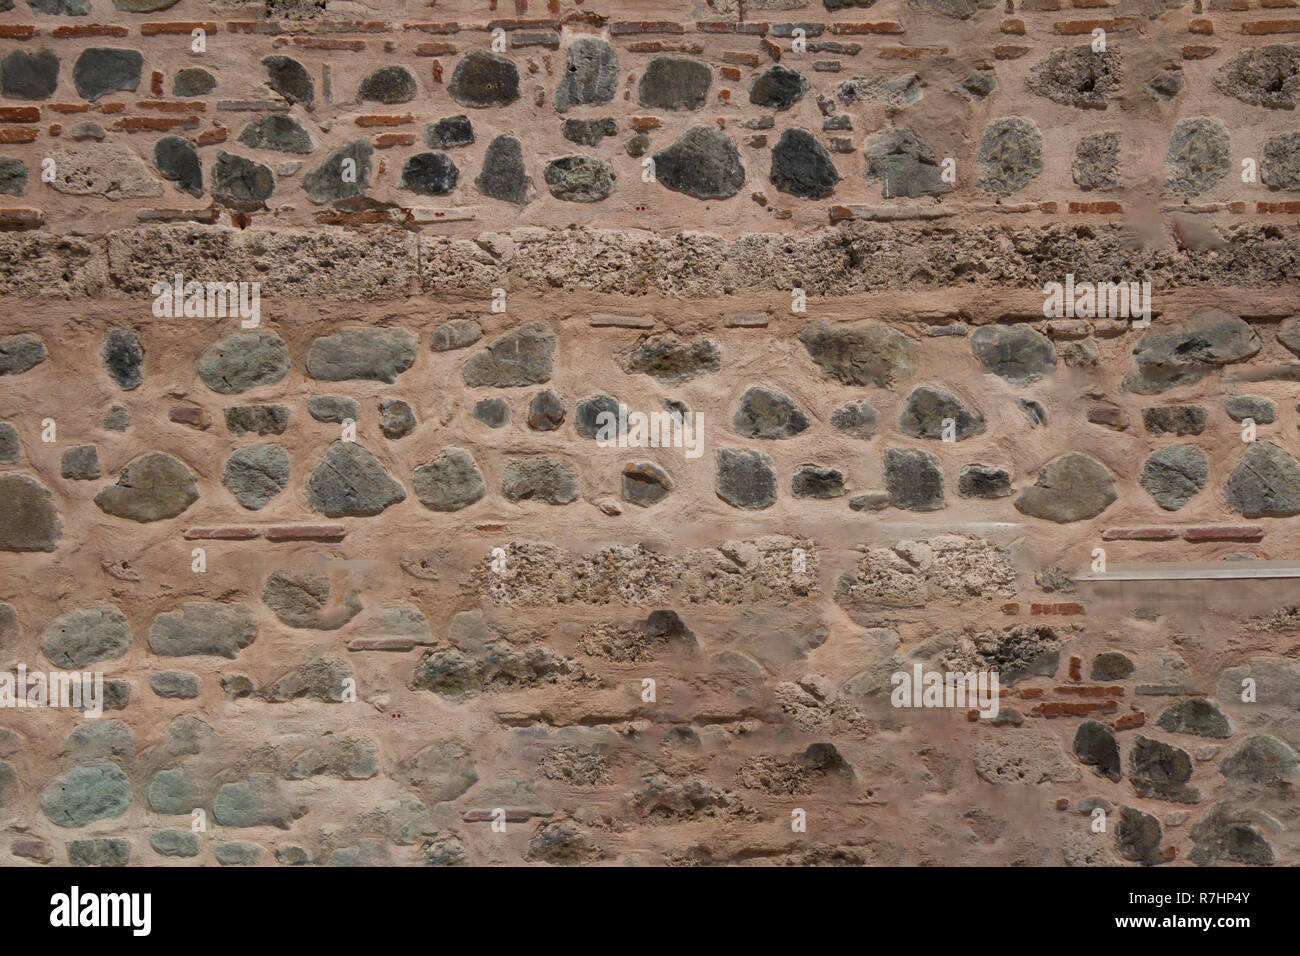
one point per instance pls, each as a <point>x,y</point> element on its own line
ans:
<point>1178,420</point>
<point>13,176</point>
<point>1259,410</point>
<point>1070,488</point>
<point>85,794</point>
<point>745,479</point>
<point>255,803</point>
<point>1095,746</point>
<point>19,353</point>
<point>278,131</point>
<point>927,409</point>
<point>766,413</point>
<point>290,79</point>
<point>1265,483</point>
<point>904,164</point>
<point>332,408</point>
<point>1199,155</point>
<point>104,852</point>
<point>101,70</point>
<point>482,79</point>
<point>80,463</point>
<point>101,741</point>
<point>667,360</point>
<point>174,842</point>
<point>237,854</point>
<point>430,174</point>
<point>645,483</point>
<point>1172,475</point>
<point>455,334</point>
<point>176,684</point>
<point>29,521</point>
<point>590,74</point>
<point>193,81</point>
<point>1195,716</point>
<point>551,480</point>
<point>521,357</point>
<point>703,163</point>
<point>1169,358</point>
<point>856,419</point>
<point>1161,771</point>
<point>178,160</point>
<point>492,412</point>
<point>449,132</point>
<point>777,88</point>
<point>301,599</point>
<point>1112,665</point>
<point>261,419</point>
<point>802,167</point>
<point>1016,353</point>
<point>674,83</point>
<point>389,85</point>
<point>29,76</point>
<point>980,481</point>
<point>83,637</point>
<point>1260,758</point>
<point>174,793</point>
<point>1096,162</point>
<point>241,183</point>
<point>350,481</point>
<point>378,355</point>
<point>583,179</point>
<point>11,449</point>
<point>123,356</point>
<point>344,173</point>
<point>244,360</point>
<point>396,419</point>
<point>504,175</point>
<point>817,481</point>
<point>1010,155</point>
<point>860,353</point>
<point>203,627</point>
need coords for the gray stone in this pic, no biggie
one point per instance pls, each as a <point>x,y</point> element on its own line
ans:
<point>1112,665</point>
<point>193,81</point>
<point>278,131</point>
<point>431,174</point>
<point>546,412</point>
<point>332,408</point>
<point>1016,353</point>
<point>345,757</point>
<point>455,334</point>
<point>913,479</point>
<point>11,450</point>
<point>1095,746</point>
<point>123,356</point>
<point>450,482</point>
<point>256,474</point>
<point>927,409</point>
<point>802,167</point>
<point>1079,76</point>
<point>449,132</point>
<point>1174,474</point>
<point>327,182</point>
<point>1195,716</point>
<point>1073,487</point>
<point>174,792</point>
<point>766,413</point>
<point>389,85</point>
<point>957,9</point>
<point>590,74</point>
<point>1096,162</point>
<point>80,463</point>
<point>114,172</point>
<point>83,637</point>
<point>144,6</point>
<point>100,70</point>
<point>1227,834</point>
<point>589,132</point>
<point>860,353</point>
<point>237,854</point>
<point>1259,410</point>
<point>667,360</point>
<point>637,145</point>
<point>13,176</point>
<point>977,85</point>
<point>174,842</point>
<point>1137,835</point>
<point>377,355</point>
<point>262,419</point>
<point>29,76</point>
<point>349,481</point>
<point>1170,358</point>
<point>521,357</point>
<point>152,487</point>
<point>290,79</point>
<point>674,83</point>
<point>645,483</point>
<point>1161,771</point>
<point>817,481</point>
<point>117,419</point>
<point>29,521</point>
<point>778,88</point>
<point>241,183</point>
<point>102,852</point>
<point>1199,155</point>
<point>396,419</point>
<point>442,771</point>
<point>588,421</point>
<point>895,93</point>
<point>579,178</point>
<point>85,794</point>
<point>1260,758</point>
<point>504,175</point>
<point>551,480</point>
<point>1177,420</point>
<point>19,353</point>
<point>321,678</point>
<point>980,481</point>
<point>904,164</point>
<point>100,741</point>
<point>703,163</point>
<point>1279,167</point>
<point>203,627</point>
<point>492,412</point>
<point>1267,76</point>
<point>746,479</point>
<point>256,803</point>
<point>1288,333</point>
<point>1010,155</point>
<point>244,360</point>
<point>177,684</point>
<point>177,159</point>
<point>856,419</point>
<point>1166,84</point>
<point>1265,483</point>
<point>483,79</point>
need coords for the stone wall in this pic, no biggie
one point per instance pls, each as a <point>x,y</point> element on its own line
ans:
<point>364,578</point>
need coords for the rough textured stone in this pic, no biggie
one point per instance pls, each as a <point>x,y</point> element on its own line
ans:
<point>590,74</point>
<point>241,183</point>
<point>1279,167</point>
<point>301,599</point>
<point>1170,358</point>
<point>860,353</point>
<point>856,419</point>
<point>977,85</point>
<point>29,76</point>
<point>1079,76</point>
<point>1268,76</point>
<point>244,360</point>
<point>1260,759</point>
<point>817,481</point>
<point>85,794</point>
<point>11,449</point>
<point>1265,482</point>
<point>913,479</point>
<point>521,357</point>
<point>539,479</point>
<point>203,627</point>
<point>449,132</point>
<point>280,132</point>
<point>746,479</point>
<point>332,408</point>
<point>1010,155</point>
<point>1016,353</point>
<point>259,419</point>
<point>80,463</point>
<point>193,81</point>
<point>123,356</point>
<point>674,83</point>
<point>1096,162</point>
<point>1166,84</point>
<point>255,803</point>
<point>20,353</point>
<point>778,88</point>
<point>377,355</point>
<point>980,481</point>
<point>579,178</point>
<point>29,520</point>
<point>766,413</point>
<point>956,9</point>
<point>492,412</point>
<point>1161,771</point>
<point>1112,665</point>
<point>672,362</point>
<point>1174,474</point>
<point>1095,746</point>
<point>178,160</point>
<point>349,481</point>
<point>703,163</point>
<point>926,411</point>
<point>388,85</point>
<point>290,79</point>
<point>802,167</point>
<point>175,684</point>
<point>115,173</point>
<point>1177,420</point>
<point>903,164</point>
<point>396,418</point>
<point>152,487</point>
<point>1259,410</point>
<point>344,173</point>
<point>1199,155</point>
<point>483,79</point>
<point>1195,716</point>
<point>455,334</point>
<point>450,482</point>
<point>546,412</point>
<point>78,638</point>
<point>174,842</point>
<point>256,474</point>
<point>589,132</point>
<point>1073,487</point>
<point>13,176</point>
<point>100,70</point>
<point>433,174</point>
<point>504,175</point>
<point>645,483</point>
<point>1137,835</point>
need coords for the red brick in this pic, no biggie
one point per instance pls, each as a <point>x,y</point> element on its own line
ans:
<point>225,533</point>
<point>254,26</point>
<point>743,59</point>
<point>1016,27</point>
<point>69,107</point>
<point>210,136</point>
<point>730,73</point>
<point>19,114</point>
<point>89,30</point>
<point>1129,721</point>
<point>389,140</point>
<point>1205,27</point>
<point>1109,416</point>
<point>439,28</point>
<point>1009,52</point>
<point>1076,668</point>
<point>1091,690</point>
<point>317,43</point>
<point>1011,607</point>
<point>1286,207</point>
<point>1078,27</point>
<point>1070,607</point>
<point>378,119</point>
<point>1279,4</point>
<point>177,27</point>
<point>658,46</point>
<point>1105,207</point>
<point>1069,708</point>
<point>885,27</point>
<point>20,218</point>
<point>644,124</point>
<point>55,129</point>
<point>190,415</point>
<point>17,31</point>
<point>1139,534</point>
<point>911,52</point>
<point>24,135</point>
<point>435,49</point>
<point>1199,52</point>
<point>33,850</point>
<point>305,532</point>
<point>1240,532</point>
<point>111,107</point>
<point>1030,693</point>
<point>173,106</point>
